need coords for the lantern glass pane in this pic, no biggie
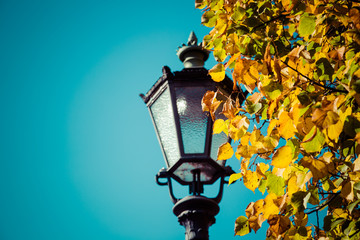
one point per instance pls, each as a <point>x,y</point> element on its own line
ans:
<point>193,121</point>
<point>163,117</point>
<point>217,141</point>
<point>184,171</point>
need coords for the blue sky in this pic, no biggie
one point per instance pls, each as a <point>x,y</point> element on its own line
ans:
<point>78,149</point>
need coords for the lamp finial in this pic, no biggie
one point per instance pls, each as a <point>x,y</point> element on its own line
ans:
<point>192,39</point>
<point>192,54</point>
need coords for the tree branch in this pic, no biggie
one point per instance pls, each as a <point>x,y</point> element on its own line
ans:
<point>314,82</point>
<point>324,204</point>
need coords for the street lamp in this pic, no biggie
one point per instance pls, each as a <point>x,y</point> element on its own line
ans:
<point>185,135</point>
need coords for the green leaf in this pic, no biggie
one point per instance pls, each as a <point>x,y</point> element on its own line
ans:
<point>351,206</point>
<point>262,185</point>
<point>254,108</point>
<point>304,98</point>
<point>295,147</point>
<point>314,197</point>
<point>275,184</point>
<point>200,4</point>
<point>328,185</point>
<point>238,14</point>
<point>313,141</point>
<point>299,200</point>
<point>273,90</point>
<point>242,226</point>
<point>357,186</point>
<point>324,69</point>
<point>220,55</point>
<point>337,222</point>
<point>208,19</point>
<point>307,25</point>
<point>349,228</point>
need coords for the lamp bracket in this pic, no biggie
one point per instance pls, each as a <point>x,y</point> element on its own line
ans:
<point>196,187</point>
<point>164,174</point>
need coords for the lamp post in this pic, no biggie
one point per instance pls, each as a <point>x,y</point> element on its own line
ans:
<point>185,135</point>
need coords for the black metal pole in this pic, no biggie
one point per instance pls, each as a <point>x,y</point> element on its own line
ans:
<point>196,214</point>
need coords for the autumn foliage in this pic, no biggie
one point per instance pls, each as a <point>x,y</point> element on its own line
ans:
<point>297,134</point>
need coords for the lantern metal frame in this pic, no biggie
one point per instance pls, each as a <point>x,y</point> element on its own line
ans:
<point>189,77</point>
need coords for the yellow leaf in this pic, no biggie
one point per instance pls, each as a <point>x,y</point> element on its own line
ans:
<point>277,69</point>
<point>249,211</point>
<point>302,178</point>
<point>267,58</point>
<point>319,167</point>
<point>354,176</point>
<point>234,177</point>
<point>220,126</point>
<point>250,77</point>
<point>282,157</point>
<point>255,222</point>
<point>225,152</point>
<point>270,207</point>
<point>324,119</point>
<point>340,213</point>
<point>347,191</point>
<point>232,59</point>
<point>261,168</point>
<point>271,109</point>
<point>313,141</point>
<point>287,128</point>
<point>245,151</point>
<point>345,114</point>
<point>258,207</point>
<point>270,143</point>
<point>288,4</point>
<point>256,139</point>
<point>251,180</point>
<point>209,103</point>
<point>242,226</point>
<point>271,126</point>
<point>245,139</point>
<point>245,72</point>
<point>278,224</point>
<point>305,125</point>
<point>229,110</point>
<point>334,131</point>
<point>357,164</point>
<point>292,185</point>
<point>238,126</point>
<point>255,97</point>
<point>244,165</point>
<point>217,73</point>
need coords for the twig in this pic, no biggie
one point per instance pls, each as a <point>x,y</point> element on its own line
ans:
<point>271,20</point>
<point>317,220</point>
<point>324,204</point>
<point>314,82</point>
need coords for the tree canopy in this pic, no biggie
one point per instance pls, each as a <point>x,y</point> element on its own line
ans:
<point>297,134</point>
